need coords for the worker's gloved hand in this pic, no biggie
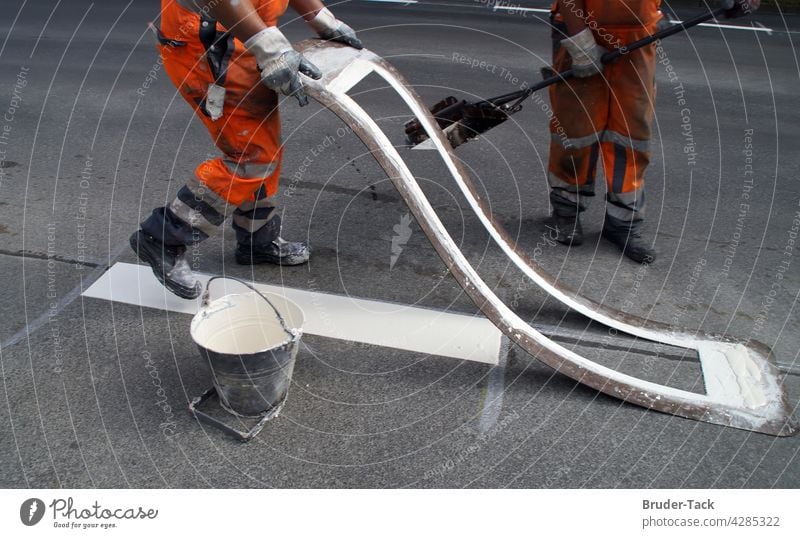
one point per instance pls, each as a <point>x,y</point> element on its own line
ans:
<point>280,64</point>
<point>329,27</point>
<point>739,8</point>
<point>585,53</point>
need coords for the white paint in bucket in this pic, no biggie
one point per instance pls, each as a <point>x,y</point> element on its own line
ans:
<point>250,342</point>
<point>244,324</point>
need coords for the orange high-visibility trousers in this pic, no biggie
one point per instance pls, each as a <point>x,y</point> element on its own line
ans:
<point>607,116</point>
<point>248,132</point>
<point>247,129</point>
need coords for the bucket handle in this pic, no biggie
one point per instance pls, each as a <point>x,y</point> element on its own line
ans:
<point>207,298</point>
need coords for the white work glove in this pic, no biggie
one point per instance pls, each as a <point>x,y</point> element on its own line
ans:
<point>329,27</point>
<point>280,64</point>
<point>585,53</point>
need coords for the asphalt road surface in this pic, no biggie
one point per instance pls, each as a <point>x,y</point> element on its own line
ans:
<point>95,394</point>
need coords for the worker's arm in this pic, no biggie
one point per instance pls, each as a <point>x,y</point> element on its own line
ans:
<point>324,23</point>
<point>580,43</point>
<point>277,60</point>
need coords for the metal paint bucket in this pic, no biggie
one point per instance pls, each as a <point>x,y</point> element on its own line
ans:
<point>250,342</point>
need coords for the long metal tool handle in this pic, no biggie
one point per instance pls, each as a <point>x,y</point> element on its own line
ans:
<point>608,57</point>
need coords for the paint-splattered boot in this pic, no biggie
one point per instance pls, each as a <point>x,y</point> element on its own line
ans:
<point>266,245</point>
<point>168,263</point>
<point>278,252</point>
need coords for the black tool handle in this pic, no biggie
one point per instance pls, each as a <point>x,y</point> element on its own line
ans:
<point>672,30</point>
<point>608,57</point>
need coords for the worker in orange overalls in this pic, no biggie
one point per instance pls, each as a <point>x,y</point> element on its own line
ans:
<point>229,61</point>
<point>605,112</point>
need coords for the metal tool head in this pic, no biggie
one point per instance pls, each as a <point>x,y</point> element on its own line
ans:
<point>460,121</point>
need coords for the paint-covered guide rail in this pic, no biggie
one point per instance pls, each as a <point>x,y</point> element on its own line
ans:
<point>743,387</point>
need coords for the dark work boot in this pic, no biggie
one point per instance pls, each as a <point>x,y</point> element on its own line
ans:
<point>627,236</point>
<point>278,252</point>
<point>168,263</point>
<point>568,229</point>
<point>266,245</point>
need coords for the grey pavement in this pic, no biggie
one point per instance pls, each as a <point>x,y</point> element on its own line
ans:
<point>91,148</point>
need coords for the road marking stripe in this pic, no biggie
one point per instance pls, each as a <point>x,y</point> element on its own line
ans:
<point>399,326</point>
<point>760,28</point>
<point>404,2</point>
<point>512,8</point>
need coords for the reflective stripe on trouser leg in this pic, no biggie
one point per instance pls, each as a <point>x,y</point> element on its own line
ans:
<point>571,176</point>
<point>194,214</point>
<point>624,168</point>
<point>253,214</point>
<point>256,221</point>
<point>626,140</point>
<point>236,182</point>
<point>200,207</point>
<point>626,206</point>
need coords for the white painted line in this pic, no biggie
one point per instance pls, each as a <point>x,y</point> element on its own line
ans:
<point>420,330</point>
<point>759,28</point>
<point>530,9</point>
<point>404,2</point>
